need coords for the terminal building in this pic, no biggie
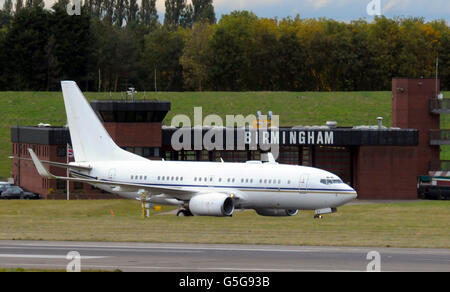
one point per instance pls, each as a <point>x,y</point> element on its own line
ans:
<point>379,162</point>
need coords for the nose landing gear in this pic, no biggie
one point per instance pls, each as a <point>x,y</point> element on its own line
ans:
<point>319,212</point>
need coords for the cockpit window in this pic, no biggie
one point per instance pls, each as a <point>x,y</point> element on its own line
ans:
<point>330,181</point>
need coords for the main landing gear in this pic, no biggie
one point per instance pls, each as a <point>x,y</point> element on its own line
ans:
<point>183,213</point>
<point>318,216</point>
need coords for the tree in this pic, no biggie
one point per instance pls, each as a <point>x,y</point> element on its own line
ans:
<point>120,12</point>
<point>133,12</point>
<point>163,50</point>
<point>98,8</point>
<point>187,17</point>
<point>231,46</point>
<point>7,7</point>
<point>203,11</point>
<point>195,57</point>
<point>291,63</point>
<point>174,12</point>
<point>69,47</point>
<point>25,58</point>
<point>2,58</point>
<point>148,13</point>
<point>19,5</point>
<point>108,8</point>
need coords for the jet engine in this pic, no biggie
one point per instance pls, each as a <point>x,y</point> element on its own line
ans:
<point>276,212</point>
<point>212,204</point>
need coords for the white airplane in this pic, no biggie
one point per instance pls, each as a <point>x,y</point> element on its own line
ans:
<point>198,188</point>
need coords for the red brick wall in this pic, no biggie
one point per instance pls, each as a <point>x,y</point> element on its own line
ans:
<point>383,172</point>
<point>135,134</point>
<point>411,109</point>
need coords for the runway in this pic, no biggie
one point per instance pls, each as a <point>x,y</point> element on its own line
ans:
<point>215,258</point>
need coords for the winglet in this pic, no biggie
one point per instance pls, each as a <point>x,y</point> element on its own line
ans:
<point>39,166</point>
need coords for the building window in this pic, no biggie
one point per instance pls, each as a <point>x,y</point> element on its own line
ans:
<point>61,185</point>
<point>289,155</point>
<point>204,155</point>
<point>189,155</point>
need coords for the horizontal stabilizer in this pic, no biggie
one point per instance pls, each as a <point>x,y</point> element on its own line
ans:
<point>55,164</point>
<point>39,166</point>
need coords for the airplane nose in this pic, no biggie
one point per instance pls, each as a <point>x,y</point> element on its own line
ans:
<point>354,195</point>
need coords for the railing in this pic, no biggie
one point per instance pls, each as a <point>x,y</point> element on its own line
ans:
<point>440,106</point>
<point>439,137</point>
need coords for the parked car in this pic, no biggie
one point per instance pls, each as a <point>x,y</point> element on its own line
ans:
<point>15,192</point>
<point>4,186</point>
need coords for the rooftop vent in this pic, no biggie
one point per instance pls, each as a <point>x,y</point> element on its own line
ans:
<point>331,124</point>
<point>42,125</point>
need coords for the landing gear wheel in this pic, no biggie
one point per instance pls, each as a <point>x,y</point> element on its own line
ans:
<point>183,213</point>
<point>317,216</point>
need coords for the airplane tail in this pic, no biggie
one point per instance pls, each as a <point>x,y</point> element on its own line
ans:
<point>90,140</point>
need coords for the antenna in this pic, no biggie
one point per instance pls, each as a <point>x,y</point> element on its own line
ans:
<point>156,89</point>
<point>437,74</point>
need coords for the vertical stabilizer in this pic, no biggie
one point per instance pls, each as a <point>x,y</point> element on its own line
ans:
<point>90,140</point>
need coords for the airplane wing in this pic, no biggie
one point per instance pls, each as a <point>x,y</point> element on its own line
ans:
<point>115,185</point>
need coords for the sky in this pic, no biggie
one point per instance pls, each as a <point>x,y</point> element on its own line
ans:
<point>343,10</point>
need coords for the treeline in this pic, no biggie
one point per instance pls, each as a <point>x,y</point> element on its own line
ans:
<point>114,44</point>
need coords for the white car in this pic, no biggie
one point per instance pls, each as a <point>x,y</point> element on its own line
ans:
<point>4,186</point>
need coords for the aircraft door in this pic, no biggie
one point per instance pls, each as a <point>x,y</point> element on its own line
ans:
<point>112,174</point>
<point>303,183</point>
